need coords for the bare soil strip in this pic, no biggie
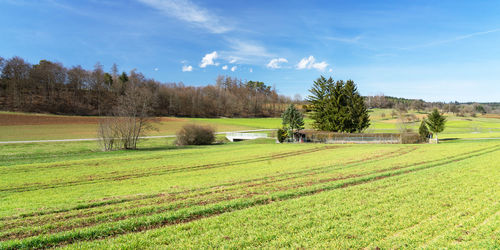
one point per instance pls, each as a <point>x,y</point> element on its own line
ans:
<point>42,119</point>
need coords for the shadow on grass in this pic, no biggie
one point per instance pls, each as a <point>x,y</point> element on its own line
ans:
<point>449,139</point>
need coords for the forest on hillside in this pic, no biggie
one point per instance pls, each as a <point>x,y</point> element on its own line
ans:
<point>50,87</point>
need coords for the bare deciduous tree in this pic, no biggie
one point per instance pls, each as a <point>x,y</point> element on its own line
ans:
<point>130,119</point>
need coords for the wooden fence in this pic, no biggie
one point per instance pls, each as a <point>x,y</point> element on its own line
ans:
<point>362,138</point>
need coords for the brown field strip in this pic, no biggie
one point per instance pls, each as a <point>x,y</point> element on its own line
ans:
<point>41,119</point>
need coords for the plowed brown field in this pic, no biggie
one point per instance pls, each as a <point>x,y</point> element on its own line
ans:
<point>35,119</point>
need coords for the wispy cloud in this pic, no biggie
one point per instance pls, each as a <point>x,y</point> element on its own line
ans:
<point>275,63</point>
<point>454,39</point>
<point>187,68</point>
<point>344,39</point>
<point>208,59</point>
<point>224,67</point>
<point>310,63</point>
<point>187,11</point>
<point>249,52</point>
<point>233,69</point>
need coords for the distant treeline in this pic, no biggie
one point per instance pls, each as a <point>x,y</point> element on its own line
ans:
<point>461,109</point>
<point>51,87</point>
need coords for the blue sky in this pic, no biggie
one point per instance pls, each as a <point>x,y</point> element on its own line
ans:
<point>434,50</point>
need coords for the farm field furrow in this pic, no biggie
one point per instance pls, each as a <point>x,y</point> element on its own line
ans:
<point>409,210</point>
<point>138,193</point>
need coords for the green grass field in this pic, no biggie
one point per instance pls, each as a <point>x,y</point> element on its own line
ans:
<point>254,194</point>
<point>456,127</point>
<point>250,195</point>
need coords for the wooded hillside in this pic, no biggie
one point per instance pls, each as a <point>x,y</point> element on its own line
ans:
<point>53,88</point>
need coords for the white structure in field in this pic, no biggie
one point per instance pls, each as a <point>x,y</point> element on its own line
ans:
<point>244,136</point>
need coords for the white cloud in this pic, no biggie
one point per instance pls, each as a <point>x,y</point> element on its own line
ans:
<point>310,63</point>
<point>224,67</point>
<point>245,52</point>
<point>208,59</point>
<point>330,70</point>
<point>187,68</point>
<point>275,63</point>
<point>233,68</point>
<point>344,39</point>
<point>251,70</point>
<point>305,62</point>
<point>156,69</point>
<point>321,66</point>
<point>187,11</point>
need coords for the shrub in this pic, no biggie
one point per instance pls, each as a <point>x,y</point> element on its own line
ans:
<point>192,134</point>
<point>282,134</point>
<point>423,131</point>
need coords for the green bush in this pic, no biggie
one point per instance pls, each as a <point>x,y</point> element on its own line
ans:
<point>282,134</point>
<point>423,131</point>
<point>192,134</point>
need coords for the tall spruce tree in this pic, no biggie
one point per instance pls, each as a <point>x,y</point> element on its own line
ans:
<point>436,122</point>
<point>423,131</point>
<point>337,106</point>
<point>293,119</point>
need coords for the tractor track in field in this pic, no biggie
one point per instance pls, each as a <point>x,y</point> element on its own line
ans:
<point>314,191</point>
<point>162,200</point>
<point>210,189</point>
<point>143,225</point>
<point>162,171</point>
<point>170,197</point>
<point>155,210</point>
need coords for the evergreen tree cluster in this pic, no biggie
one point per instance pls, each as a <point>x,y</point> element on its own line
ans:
<point>337,106</point>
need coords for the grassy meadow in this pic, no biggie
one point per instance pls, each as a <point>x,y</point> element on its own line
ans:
<point>68,127</point>
<point>253,194</point>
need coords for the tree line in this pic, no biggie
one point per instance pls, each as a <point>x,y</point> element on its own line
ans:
<point>459,109</point>
<point>53,88</point>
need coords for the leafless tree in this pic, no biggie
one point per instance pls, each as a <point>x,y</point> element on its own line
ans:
<point>131,119</point>
<point>107,132</point>
<point>15,74</point>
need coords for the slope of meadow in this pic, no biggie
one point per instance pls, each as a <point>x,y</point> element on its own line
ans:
<point>247,194</point>
<point>22,126</point>
<point>255,194</point>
